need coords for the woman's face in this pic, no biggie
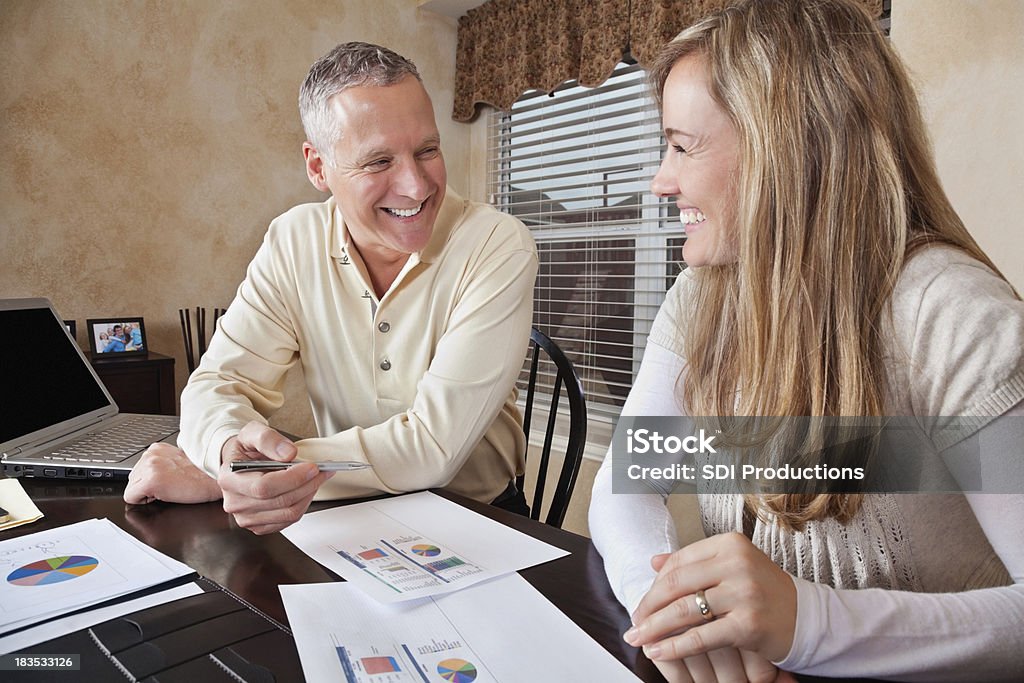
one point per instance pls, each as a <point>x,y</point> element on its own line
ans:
<point>700,165</point>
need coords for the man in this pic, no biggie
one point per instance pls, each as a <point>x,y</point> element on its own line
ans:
<point>408,308</point>
<point>115,342</point>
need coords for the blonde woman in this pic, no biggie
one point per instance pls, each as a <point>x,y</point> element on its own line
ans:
<point>828,276</point>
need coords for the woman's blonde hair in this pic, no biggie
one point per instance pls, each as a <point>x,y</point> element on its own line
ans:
<point>836,187</point>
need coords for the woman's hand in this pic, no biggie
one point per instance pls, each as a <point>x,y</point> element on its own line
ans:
<point>752,602</point>
<point>721,666</point>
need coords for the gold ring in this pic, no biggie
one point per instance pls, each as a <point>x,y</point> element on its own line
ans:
<point>703,606</point>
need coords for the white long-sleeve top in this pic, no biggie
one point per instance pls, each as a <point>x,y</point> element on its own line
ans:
<point>923,587</point>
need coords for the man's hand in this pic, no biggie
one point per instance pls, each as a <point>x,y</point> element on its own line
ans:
<point>266,502</point>
<point>165,473</point>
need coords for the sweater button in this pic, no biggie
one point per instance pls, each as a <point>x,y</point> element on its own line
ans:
<point>384,326</point>
<point>385,365</point>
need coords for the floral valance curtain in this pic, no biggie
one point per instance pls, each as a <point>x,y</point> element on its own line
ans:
<point>507,47</point>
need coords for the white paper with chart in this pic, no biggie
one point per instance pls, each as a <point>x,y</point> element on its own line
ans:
<point>33,635</point>
<point>414,546</point>
<point>500,630</point>
<point>61,570</point>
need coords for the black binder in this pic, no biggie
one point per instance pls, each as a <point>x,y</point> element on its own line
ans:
<point>211,636</point>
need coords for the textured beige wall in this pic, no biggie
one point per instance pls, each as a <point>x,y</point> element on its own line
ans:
<point>967,59</point>
<point>145,146</point>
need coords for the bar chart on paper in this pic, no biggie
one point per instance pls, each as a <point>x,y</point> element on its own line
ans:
<point>388,662</point>
<point>450,638</point>
<point>408,562</point>
<point>415,546</point>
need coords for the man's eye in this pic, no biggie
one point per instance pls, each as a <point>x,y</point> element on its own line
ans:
<point>429,152</point>
<point>378,164</point>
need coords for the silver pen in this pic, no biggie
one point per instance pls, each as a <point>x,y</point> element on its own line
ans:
<point>261,465</point>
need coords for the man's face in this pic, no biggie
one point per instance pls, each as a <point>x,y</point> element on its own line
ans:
<point>388,175</point>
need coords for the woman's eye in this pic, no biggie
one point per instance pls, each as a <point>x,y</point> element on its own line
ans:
<point>678,149</point>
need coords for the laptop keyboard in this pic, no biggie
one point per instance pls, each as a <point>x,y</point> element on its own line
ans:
<point>118,442</point>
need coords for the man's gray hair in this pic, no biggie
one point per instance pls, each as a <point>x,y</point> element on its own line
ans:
<point>346,66</point>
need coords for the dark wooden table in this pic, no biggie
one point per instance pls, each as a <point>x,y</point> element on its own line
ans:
<point>252,567</point>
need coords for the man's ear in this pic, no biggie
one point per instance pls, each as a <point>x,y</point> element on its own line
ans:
<point>315,167</point>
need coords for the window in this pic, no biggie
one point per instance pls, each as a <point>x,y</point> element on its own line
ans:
<point>575,167</point>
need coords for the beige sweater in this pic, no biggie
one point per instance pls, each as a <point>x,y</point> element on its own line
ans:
<point>419,384</point>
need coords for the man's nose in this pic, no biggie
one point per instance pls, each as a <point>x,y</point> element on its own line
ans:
<point>411,180</point>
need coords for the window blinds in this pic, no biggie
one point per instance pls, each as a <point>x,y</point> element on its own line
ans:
<point>576,167</point>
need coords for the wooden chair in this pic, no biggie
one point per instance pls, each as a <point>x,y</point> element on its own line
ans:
<point>198,342</point>
<point>564,376</point>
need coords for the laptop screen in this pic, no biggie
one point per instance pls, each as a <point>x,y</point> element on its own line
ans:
<point>45,379</point>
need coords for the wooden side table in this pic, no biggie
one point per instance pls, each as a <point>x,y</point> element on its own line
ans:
<point>139,384</point>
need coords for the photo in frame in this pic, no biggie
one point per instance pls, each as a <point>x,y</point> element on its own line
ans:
<point>72,328</point>
<point>110,337</point>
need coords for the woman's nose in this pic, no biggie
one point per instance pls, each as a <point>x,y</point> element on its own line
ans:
<point>664,183</point>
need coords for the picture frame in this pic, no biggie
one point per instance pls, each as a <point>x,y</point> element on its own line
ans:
<point>72,328</point>
<point>117,337</point>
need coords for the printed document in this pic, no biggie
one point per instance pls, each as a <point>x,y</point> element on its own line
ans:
<point>414,546</point>
<point>500,630</point>
<point>65,625</point>
<point>62,570</point>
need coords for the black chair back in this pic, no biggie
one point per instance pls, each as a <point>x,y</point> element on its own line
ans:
<point>195,346</point>
<point>565,377</point>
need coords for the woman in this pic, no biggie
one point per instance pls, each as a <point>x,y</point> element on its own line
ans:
<point>829,276</point>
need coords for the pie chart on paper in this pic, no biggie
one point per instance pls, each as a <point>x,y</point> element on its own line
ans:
<point>52,570</point>
<point>426,550</point>
<point>457,671</point>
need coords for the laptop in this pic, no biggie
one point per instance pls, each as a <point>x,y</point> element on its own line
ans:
<point>57,420</point>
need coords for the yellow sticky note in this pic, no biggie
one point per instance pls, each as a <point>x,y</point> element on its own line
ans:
<point>17,503</point>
